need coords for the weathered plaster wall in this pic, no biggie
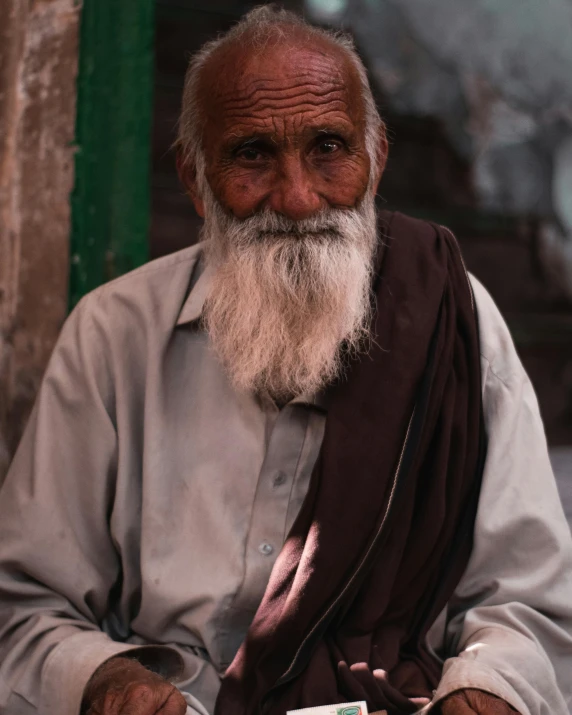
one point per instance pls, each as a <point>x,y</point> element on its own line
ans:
<point>38,47</point>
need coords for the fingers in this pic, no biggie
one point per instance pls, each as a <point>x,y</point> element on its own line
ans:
<point>109,705</point>
<point>142,699</point>
<point>470,701</point>
<point>486,703</point>
<point>146,700</point>
<point>122,686</point>
<point>456,704</point>
<point>175,704</point>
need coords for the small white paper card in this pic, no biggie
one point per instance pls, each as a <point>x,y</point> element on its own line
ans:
<point>339,709</point>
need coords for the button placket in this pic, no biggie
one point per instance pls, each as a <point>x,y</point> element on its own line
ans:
<point>270,507</point>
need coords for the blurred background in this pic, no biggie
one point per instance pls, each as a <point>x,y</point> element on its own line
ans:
<point>477,97</point>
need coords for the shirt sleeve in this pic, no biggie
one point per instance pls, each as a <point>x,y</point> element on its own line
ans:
<point>509,624</point>
<point>58,562</point>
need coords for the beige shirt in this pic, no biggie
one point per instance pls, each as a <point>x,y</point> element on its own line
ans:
<point>148,501</point>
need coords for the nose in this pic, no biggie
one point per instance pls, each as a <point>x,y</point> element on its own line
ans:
<point>294,194</point>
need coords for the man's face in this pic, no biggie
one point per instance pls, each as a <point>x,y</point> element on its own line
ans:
<point>290,226</point>
<point>285,131</point>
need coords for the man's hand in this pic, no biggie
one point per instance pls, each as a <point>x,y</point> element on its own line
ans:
<point>470,701</point>
<point>124,687</point>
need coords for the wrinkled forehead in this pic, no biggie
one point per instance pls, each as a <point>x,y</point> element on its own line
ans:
<point>284,81</point>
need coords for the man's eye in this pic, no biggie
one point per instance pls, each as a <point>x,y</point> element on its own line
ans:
<point>329,147</point>
<point>249,154</point>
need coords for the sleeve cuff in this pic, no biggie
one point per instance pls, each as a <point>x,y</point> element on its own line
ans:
<point>72,663</point>
<point>459,673</point>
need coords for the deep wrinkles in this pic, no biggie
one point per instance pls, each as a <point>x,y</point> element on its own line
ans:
<point>320,79</point>
<point>337,107</point>
<point>321,72</point>
<point>275,125</point>
<point>310,86</point>
<point>303,99</point>
<point>291,91</point>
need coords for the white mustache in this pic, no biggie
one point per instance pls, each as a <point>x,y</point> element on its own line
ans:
<point>270,224</point>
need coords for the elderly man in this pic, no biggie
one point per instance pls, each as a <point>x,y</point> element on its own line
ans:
<point>257,477</point>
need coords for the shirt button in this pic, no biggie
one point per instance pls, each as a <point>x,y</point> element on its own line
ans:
<point>279,479</point>
<point>266,548</point>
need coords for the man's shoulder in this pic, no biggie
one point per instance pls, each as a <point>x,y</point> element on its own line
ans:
<point>496,343</point>
<point>177,267</point>
<point>129,316</point>
<point>498,353</point>
<point>153,291</point>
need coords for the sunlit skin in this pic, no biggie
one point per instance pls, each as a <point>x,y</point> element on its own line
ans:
<point>284,130</point>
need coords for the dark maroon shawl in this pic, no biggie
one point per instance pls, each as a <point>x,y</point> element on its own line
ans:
<point>384,534</point>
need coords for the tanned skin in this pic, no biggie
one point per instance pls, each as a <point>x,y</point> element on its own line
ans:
<point>285,129</point>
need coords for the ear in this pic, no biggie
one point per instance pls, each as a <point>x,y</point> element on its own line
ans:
<point>188,177</point>
<point>382,151</point>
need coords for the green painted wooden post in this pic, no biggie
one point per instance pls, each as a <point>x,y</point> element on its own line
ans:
<point>110,200</point>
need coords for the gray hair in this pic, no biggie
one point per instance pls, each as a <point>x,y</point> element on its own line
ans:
<point>257,28</point>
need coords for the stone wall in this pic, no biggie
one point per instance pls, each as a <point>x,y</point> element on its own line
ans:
<point>38,46</point>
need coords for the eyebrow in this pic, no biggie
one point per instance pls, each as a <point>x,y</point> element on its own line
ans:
<point>235,140</point>
<point>254,140</point>
<point>342,131</point>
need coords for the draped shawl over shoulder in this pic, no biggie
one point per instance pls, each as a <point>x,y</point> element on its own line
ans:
<point>385,532</point>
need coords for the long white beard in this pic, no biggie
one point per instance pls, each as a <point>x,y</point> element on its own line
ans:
<point>290,299</point>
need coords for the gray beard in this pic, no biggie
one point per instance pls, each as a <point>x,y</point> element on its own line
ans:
<point>290,300</point>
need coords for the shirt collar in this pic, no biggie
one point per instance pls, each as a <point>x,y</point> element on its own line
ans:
<point>192,309</point>
<point>199,289</point>
<point>319,399</point>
